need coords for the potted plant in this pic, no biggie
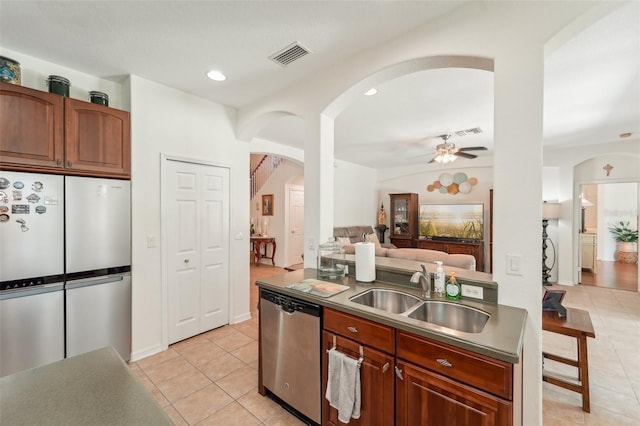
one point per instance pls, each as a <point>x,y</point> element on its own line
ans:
<point>627,242</point>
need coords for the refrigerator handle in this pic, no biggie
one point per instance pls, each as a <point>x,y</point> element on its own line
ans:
<point>94,281</point>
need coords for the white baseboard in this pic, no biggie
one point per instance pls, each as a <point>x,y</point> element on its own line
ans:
<point>138,355</point>
<point>241,318</point>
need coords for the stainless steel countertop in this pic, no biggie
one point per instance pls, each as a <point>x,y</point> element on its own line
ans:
<point>96,388</point>
<point>501,337</point>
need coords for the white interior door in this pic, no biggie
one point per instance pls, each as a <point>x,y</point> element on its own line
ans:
<point>296,225</point>
<point>197,227</point>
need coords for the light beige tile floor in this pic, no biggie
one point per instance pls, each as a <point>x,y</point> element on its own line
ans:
<point>614,361</point>
<point>211,379</point>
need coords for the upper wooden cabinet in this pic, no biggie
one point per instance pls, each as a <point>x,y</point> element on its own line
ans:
<point>31,128</point>
<point>404,220</point>
<point>96,138</point>
<point>45,132</point>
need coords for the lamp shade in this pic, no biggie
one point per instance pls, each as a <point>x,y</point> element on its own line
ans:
<point>551,210</point>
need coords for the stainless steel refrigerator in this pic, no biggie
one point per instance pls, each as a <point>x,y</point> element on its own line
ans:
<point>31,270</point>
<point>98,259</point>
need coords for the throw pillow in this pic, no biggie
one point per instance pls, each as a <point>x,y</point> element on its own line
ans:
<point>345,241</point>
<point>374,239</point>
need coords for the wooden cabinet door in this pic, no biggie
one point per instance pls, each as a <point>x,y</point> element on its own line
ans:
<point>404,219</point>
<point>426,398</point>
<point>377,383</point>
<point>31,123</point>
<point>97,139</point>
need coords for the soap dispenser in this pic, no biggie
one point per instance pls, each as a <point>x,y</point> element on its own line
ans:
<point>438,281</point>
<point>453,288</point>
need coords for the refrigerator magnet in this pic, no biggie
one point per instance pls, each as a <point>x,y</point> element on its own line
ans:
<point>33,198</point>
<point>37,186</point>
<point>4,209</point>
<point>41,209</point>
<point>51,200</point>
<point>3,197</point>
<point>17,195</point>
<point>20,208</point>
<point>4,183</point>
<point>4,217</point>
<point>18,185</point>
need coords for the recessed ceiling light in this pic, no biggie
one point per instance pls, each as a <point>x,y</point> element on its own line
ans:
<point>625,135</point>
<point>371,92</point>
<point>216,75</point>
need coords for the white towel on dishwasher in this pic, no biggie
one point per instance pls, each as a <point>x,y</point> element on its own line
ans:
<point>333,379</point>
<point>343,385</point>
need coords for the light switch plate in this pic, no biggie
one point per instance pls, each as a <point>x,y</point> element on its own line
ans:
<point>514,264</point>
<point>152,241</point>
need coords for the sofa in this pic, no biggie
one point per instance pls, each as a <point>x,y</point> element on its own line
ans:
<point>349,235</point>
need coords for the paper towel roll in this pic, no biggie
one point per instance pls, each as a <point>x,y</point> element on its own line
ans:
<point>365,262</point>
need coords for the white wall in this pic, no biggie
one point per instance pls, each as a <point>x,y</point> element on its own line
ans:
<point>355,195</point>
<point>585,166</point>
<point>287,172</point>
<point>166,121</point>
<point>35,72</point>
<point>616,202</point>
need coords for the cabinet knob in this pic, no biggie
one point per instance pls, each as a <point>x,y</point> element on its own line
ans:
<point>58,161</point>
<point>352,329</point>
<point>69,163</point>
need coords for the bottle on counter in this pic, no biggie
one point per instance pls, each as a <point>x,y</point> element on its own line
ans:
<point>453,288</point>
<point>438,280</point>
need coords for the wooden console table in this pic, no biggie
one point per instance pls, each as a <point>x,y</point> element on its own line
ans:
<point>576,324</point>
<point>257,243</point>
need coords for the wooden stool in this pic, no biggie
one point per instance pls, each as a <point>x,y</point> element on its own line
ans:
<point>576,324</point>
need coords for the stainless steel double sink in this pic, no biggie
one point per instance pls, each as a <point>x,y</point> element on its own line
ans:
<point>447,314</point>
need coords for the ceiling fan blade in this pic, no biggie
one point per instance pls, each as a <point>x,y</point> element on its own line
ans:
<point>473,148</point>
<point>464,155</point>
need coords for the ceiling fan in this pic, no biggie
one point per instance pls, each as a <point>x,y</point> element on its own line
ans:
<point>446,152</point>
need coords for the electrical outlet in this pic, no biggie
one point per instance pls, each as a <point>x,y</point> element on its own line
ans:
<point>472,291</point>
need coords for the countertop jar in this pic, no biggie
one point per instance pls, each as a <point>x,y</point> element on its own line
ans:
<point>331,260</point>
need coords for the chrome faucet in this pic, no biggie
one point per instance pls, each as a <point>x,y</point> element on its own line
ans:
<point>423,279</point>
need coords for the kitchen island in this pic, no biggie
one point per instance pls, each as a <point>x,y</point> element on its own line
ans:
<point>414,371</point>
<point>95,388</point>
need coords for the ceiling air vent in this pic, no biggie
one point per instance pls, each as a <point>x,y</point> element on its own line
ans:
<point>475,130</point>
<point>289,54</point>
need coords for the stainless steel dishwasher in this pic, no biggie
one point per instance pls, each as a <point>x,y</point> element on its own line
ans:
<point>290,351</point>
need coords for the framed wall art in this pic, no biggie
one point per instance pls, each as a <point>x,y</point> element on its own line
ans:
<point>267,205</point>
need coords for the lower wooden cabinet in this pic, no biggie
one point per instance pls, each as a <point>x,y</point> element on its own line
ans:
<point>427,398</point>
<point>409,380</point>
<point>377,383</point>
<point>403,242</point>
